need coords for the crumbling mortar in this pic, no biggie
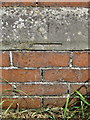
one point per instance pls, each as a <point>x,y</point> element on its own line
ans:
<point>42,102</point>
<point>41,74</point>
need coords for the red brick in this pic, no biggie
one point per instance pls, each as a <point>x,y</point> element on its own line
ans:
<point>4,59</point>
<point>73,101</point>
<point>89,59</point>
<point>4,88</point>
<point>80,59</point>
<point>70,75</point>
<point>83,89</point>
<point>54,102</point>
<point>22,103</point>
<point>42,3</point>
<point>18,3</point>
<point>89,73</point>
<point>40,59</point>
<point>55,89</point>
<point>20,75</point>
<point>0,89</point>
<point>64,4</point>
<point>0,75</point>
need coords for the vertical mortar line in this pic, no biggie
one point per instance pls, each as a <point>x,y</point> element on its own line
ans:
<point>11,64</point>
<point>42,102</point>
<point>70,61</point>
<point>41,74</point>
<point>68,88</point>
<point>36,3</point>
<point>70,66</point>
<point>11,59</point>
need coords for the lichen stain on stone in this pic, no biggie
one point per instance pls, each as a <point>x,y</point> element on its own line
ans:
<point>43,24</point>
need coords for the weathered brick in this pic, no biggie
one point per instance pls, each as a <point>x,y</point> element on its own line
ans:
<point>40,89</point>
<point>40,59</point>
<point>0,89</point>
<point>18,3</point>
<point>89,59</point>
<point>4,89</point>
<point>70,75</point>
<point>64,4</point>
<point>20,75</point>
<point>4,59</point>
<point>80,59</point>
<point>83,89</point>
<point>54,102</point>
<point>73,101</point>
<point>22,103</point>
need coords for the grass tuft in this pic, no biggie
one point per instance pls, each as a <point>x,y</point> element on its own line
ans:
<point>78,110</point>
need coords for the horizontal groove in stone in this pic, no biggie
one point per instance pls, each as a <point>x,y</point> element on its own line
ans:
<point>53,43</point>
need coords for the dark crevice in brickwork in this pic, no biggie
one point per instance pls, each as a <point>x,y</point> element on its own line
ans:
<point>42,75</point>
<point>42,102</point>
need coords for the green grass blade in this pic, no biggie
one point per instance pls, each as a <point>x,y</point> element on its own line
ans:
<point>18,91</point>
<point>72,115</point>
<point>52,115</point>
<point>74,107</point>
<point>23,111</point>
<point>82,109</point>
<point>9,107</point>
<point>82,98</point>
<point>5,81</point>
<point>15,90</point>
<point>2,102</point>
<point>66,106</point>
<point>88,118</point>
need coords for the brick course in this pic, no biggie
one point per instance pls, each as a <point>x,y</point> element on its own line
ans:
<point>22,102</point>
<point>20,75</point>
<point>18,3</point>
<point>68,75</point>
<point>40,59</point>
<point>44,3</point>
<point>64,4</point>
<point>43,89</point>
<point>54,102</point>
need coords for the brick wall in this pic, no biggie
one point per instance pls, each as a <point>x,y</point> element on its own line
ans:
<point>47,72</point>
<point>46,77</point>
